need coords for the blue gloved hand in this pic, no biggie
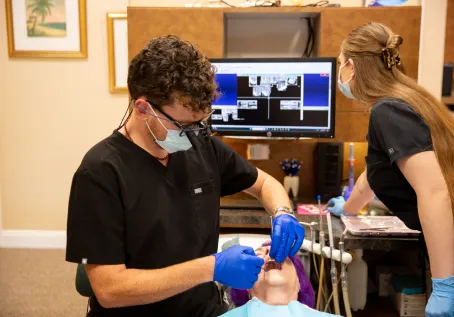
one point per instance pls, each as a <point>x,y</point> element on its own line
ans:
<point>237,267</point>
<point>441,302</point>
<point>336,206</point>
<point>287,237</point>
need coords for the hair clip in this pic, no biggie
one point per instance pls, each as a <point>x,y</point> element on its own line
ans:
<point>390,60</point>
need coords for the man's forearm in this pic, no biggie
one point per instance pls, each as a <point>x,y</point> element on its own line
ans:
<point>273,195</point>
<point>131,287</point>
<point>360,196</point>
<point>435,214</point>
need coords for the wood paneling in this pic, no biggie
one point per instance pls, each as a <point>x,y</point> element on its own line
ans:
<point>352,126</point>
<point>301,150</point>
<point>405,21</point>
<point>280,150</point>
<point>203,27</point>
<point>351,116</point>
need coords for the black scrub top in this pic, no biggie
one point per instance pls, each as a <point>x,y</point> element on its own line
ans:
<point>127,208</point>
<point>395,131</point>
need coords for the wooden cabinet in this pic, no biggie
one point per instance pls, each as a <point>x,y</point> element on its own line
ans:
<point>203,27</point>
<point>207,28</point>
<point>352,117</point>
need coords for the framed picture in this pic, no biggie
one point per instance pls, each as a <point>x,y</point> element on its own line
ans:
<point>46,28</point>
<point>117,41</point>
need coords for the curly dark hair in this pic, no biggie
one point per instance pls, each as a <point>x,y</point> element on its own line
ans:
<point>169,68</point>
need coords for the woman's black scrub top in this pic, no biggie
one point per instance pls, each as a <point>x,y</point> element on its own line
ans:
<point>395,131</point>
<point>127,208</point>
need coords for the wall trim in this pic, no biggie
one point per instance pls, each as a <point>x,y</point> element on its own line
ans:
<point>33,239</point>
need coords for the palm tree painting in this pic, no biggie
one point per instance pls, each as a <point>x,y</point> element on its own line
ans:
<point>46,18</point>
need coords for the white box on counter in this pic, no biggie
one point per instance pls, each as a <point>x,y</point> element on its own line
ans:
<point>410,305</point>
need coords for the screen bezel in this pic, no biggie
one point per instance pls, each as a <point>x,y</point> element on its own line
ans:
<point>290,134</point>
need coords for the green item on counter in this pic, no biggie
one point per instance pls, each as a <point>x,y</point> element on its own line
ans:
<point>230,243</point>
<point>407,284</point>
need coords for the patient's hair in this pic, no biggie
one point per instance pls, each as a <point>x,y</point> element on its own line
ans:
<point>305,295</point>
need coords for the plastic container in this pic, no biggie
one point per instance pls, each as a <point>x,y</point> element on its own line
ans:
<point>357,282</point>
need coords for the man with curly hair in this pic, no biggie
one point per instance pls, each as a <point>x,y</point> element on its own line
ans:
<point>144,205</point>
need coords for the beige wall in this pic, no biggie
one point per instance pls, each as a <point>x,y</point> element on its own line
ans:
<point>432,45</point>
<point>51,113</point>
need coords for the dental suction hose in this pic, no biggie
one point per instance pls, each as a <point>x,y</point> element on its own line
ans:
<point>327,252</point>
<point>333,267</point>
<point>344,279</point>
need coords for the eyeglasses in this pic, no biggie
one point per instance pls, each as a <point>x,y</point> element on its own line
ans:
<point>200,126</point>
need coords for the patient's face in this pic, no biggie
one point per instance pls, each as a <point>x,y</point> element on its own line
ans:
<point>271,276</point>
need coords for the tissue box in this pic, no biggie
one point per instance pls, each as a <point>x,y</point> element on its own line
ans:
<point>410,305</point>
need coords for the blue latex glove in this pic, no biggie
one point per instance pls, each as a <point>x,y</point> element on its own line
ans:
<point>237,267</point>
<point>287,237</point>
<point>336,206</point>
<point>441,302</point>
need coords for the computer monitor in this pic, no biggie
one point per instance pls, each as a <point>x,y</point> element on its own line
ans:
<point>285,97</point>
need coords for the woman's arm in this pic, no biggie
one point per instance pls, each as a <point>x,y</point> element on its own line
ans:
<point>360,196</point>
<point>423,173</point>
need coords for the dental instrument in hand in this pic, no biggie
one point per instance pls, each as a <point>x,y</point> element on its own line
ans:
<point>278,265</point>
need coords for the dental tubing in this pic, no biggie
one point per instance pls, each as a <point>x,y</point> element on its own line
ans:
<point>333,267</point>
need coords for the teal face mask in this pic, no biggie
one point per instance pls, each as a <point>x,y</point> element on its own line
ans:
<point>173,142</point>
<point>344,87</point>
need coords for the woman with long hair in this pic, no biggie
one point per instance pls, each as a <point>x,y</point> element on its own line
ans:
<point>410,160</point>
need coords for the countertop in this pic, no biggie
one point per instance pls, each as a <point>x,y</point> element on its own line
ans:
<point>254,221</point>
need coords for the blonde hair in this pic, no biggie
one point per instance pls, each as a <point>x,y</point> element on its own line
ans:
<point>374,49</point>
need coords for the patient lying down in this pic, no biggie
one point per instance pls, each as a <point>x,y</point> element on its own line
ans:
<point>282,292</point>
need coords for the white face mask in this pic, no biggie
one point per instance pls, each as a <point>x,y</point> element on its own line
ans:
<point>345,87</point>
<point>173,141</point>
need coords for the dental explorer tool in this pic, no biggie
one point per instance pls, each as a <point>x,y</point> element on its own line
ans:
<point>278,265</point>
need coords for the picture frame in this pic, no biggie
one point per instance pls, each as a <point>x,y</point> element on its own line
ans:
<point>117,41</point>
<point>46,29</point>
